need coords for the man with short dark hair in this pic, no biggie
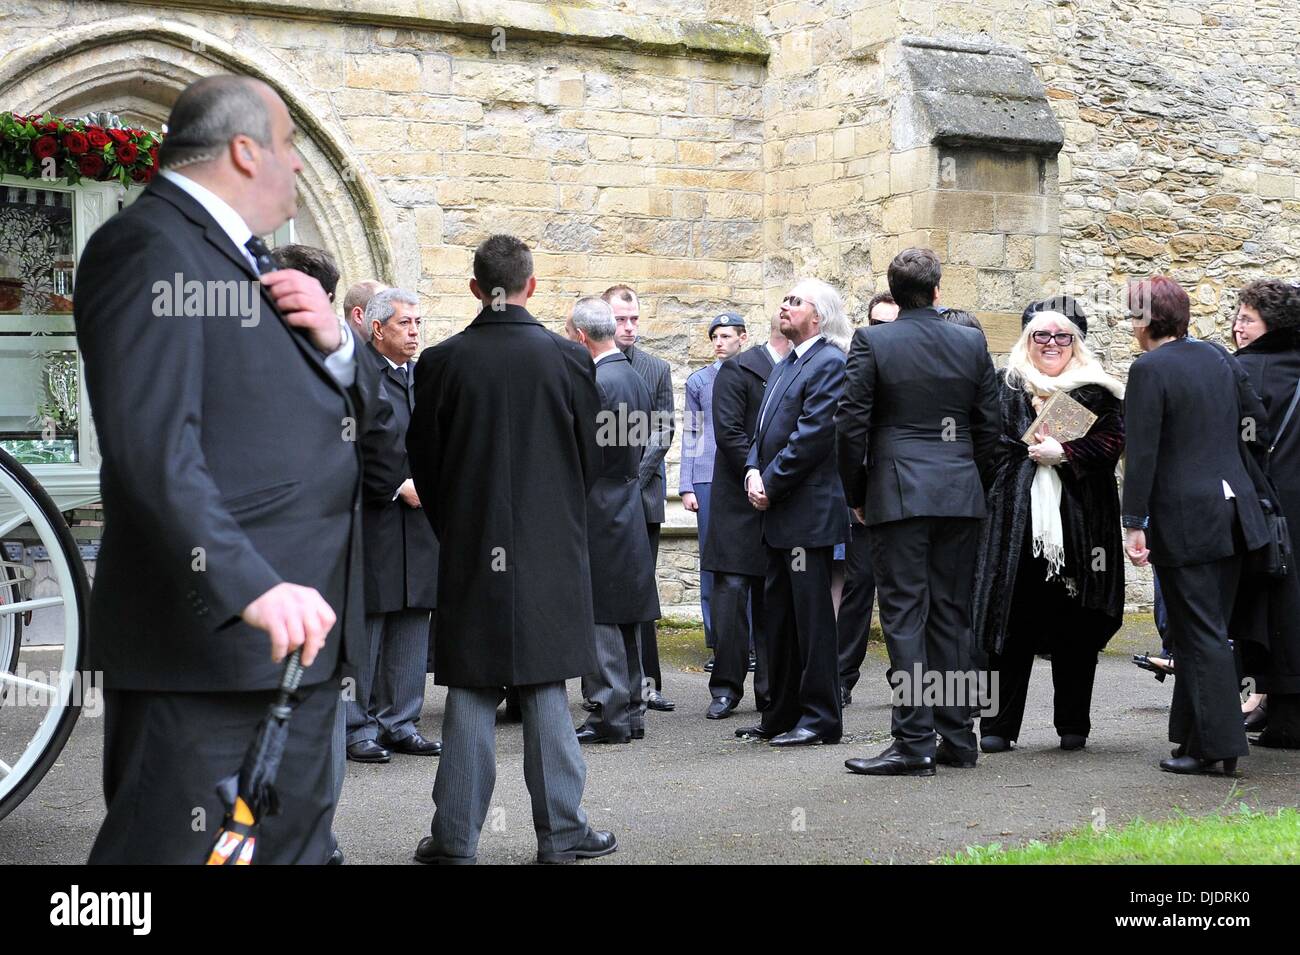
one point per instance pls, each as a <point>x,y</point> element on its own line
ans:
<point>509,409</point>
<point>658,375</point>
<point>917,428</point>
<point>309,260</point>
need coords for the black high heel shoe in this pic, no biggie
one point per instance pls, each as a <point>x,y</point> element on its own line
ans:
<point>1256,720</point>
<point>1195,766</point>
<point>1144,660</point>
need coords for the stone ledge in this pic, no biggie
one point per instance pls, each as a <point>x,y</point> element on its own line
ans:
<point>534,21</point>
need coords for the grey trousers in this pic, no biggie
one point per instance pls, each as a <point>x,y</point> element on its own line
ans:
<point>390,682</point>
<point>554,769</point>
<point>618,683</point>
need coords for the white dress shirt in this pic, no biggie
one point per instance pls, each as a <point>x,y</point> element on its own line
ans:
<point>339,363</point>
<point>799,351</point>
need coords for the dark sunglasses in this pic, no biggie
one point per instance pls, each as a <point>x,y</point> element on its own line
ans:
<point>1062,339</point>
<point>794,301</point>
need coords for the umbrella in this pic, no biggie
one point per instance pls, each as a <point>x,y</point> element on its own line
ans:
<point>250,794</point>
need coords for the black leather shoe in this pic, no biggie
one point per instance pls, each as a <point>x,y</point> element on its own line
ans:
<point>336,857</point>
<point>638,732</point>
<point>594,844</point>
<point>657,701</point>
<point>846,698</point>
<point>1256,720</point>
<point>427,853</point>
<point>947,755</point>
<point>368,751</point>
<point>1194,766</point>
<point>1073,741</point>
<point>995,744</point>
<point>892,763</point>
<point>708,667</point>
<point>721,707</point>
<point>588,735</point>
<point>801,736</point>
<point>753,732</point>
<point>415,745</point>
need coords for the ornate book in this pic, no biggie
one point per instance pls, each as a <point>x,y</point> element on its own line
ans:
<point>1063,418</point>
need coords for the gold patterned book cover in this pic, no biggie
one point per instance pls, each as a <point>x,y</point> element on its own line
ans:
<point>1063,417</point>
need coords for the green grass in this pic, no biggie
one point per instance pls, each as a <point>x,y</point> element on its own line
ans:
<point>1244,837</point>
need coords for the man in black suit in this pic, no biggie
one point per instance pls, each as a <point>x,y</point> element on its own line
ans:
<point>734,552</point>
<point>231,486</point>
<point>503,449</point>
<point>917,429</point>
<point>658,374</point>
<point>401,553</point>
<point>790,477</point>
<point>623,574</point>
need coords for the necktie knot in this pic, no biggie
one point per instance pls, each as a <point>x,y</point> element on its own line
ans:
<point>261,255</point>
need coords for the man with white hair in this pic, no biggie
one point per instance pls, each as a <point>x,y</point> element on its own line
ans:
<point>623,588</point>
<point>791,478</point>
<point>401,552</point>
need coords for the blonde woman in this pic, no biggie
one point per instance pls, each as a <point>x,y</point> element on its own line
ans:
<point>1050,577</point>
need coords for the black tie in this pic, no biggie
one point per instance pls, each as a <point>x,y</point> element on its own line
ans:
<point>261,255</point>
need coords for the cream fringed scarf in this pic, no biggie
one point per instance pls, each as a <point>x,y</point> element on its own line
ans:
<point>1045,491</point>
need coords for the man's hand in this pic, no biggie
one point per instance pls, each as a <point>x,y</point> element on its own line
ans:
<point>294,617</point>
<point>690,501</point>
<point>1047,451</point>
<point>305,305</point>
<point>1135,546</point>
<point>757,493</point>
<point>407,493</point>
<point>860,513</point>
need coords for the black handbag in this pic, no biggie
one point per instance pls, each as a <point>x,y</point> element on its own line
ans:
<point>1275,558</point>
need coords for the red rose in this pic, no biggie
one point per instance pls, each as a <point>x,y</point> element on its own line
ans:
<point>119,135</point>
<point>45,147</point>
<point>153,154</point>
<point>97,137</point>
<point>75,142</point>
<point>127,153</point>
<point>141,174</point>
<point>90,165</point>
<point>50,127</point>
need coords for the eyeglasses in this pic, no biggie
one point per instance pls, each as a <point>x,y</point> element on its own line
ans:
<point>794,301</point>
<point>1062,339</point>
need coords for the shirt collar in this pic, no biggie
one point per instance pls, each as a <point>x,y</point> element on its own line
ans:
<point>231,222</point>
<point>609,354</point>
<point>802,348</point>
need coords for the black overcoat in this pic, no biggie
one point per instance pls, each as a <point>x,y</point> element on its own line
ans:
<point>734,544</point>
<point>1094,556</point>
<point>401,553</point>
<point>503,452</point>
<point>1267,614</point>
<point>623,586</point>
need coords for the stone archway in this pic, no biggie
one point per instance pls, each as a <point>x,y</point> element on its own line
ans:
<point>139,65</point>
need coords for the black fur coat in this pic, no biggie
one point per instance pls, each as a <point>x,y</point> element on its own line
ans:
<point>1094,555</point>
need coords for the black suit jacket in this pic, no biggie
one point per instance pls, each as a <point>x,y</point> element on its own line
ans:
<point>794,449</point>
<point>401,552</point>
<point>1185,404</point>
<point>623,586</point>
<point>503,450</point>
<point>230,460</point>
<point>658,374</point>
<point>919,422</point>
<point>734,542</point>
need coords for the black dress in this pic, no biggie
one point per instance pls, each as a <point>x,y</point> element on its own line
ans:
<point>1266,618</point>
<point>1019,612</point>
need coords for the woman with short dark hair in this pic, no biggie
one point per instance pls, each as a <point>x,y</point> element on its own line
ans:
<point>1266,621</point>
<point>1191,509</point>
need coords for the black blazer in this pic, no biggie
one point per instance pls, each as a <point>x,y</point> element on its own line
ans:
<point>401,552</point>
<point>733,543</point>
<point>230,462</point>
<point>623,586</point>
<point>919,421</point>
<point>795,451</point>
<point>503,451</point>
<point>658,375</point>
<point>1185,406</point>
